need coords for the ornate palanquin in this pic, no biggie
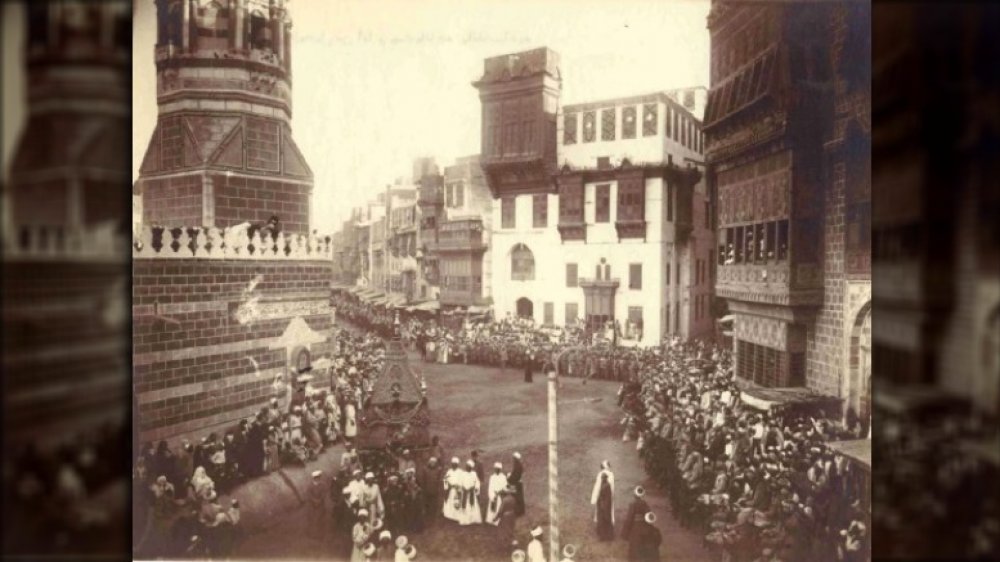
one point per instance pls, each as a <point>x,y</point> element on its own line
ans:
<point>396,412</point>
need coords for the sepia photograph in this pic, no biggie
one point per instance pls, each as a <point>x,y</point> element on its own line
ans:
<point>489,280</point>
<point>501,281</point>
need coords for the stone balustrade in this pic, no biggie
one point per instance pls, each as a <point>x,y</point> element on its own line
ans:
<point>55,243</point>
<point>228,243</point>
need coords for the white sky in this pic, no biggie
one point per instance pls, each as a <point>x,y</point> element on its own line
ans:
<point>376,83</point>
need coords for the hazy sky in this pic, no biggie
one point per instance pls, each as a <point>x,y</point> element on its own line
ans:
<point>377,83</point>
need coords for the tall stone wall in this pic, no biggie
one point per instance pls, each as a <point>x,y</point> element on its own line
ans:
<point>832,340</point>
<point>210,335</point>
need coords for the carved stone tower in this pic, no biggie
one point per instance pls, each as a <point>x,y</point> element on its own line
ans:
<point>222,152</point>
<point>68,168</point>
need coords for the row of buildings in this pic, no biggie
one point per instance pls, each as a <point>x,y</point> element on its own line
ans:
<point>422,241</point>
<point>748,204</point>
<point>587,213</point>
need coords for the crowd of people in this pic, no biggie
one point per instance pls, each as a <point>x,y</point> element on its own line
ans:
<point>516,343</point>
<point>58,494</point>
<point>760,485</point>
<point>937,498</point>
<point>179,490</point>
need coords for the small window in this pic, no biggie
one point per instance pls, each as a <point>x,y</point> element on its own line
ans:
<point>782,240</point>
<point>760,242</point>
<point>669,330</point>
<point>589,126</point>
<point>633,326</point>
<point>508,212</point>
<point>540,211</point>
<point>635,276</point>
<point>603,162</point>
<point>738,243</point>
<point>668,274</point>
<point>572,314</point>
<point>628,122</point>
<point>549,312</point>
<point>260,35</point>
<point>459,195</point>
<point>569,128</point>
<point>670,202</point>
<point>608,124</point>
<point>572,279</point>
<point>602,208</point>
<point>522,264</point>
<point>649,119</point>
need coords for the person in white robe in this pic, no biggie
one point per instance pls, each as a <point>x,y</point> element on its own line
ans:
<point>453,479</point>
<point>470,513</point>
<point>371,498</point>
<point>352,492</point>
<point>498,483</point>
<point>605,469</point>
<point>350,421</point>
<point>535,551</point>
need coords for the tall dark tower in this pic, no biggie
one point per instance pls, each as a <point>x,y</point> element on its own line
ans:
<point>72,154</point>
<point>65,376</point>
<point>222,152</point>
<point>520,100</point>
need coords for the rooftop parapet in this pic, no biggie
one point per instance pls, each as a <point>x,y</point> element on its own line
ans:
<point>231,243</point>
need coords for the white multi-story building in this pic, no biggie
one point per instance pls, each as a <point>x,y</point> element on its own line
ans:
<point>618,232</point>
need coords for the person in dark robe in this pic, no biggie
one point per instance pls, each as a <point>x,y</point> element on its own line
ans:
<point>605,526</point>
<point>481,473</point>
<point>413,503</point>
<point>239,447</point>
<point>437,451</point>
<point>636,511</point>
<point>256,437</point>
<point>508,518</point>
<point>432,486</point>
<point>529,366</point>
<point>515,480</point>
<point>317,507</point>
<point>644,543</point>
<point>392,496</point>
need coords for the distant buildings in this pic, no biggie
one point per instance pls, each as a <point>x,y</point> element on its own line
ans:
<point>599,211</point>
<point>422,242</point>
<point>463,245</point>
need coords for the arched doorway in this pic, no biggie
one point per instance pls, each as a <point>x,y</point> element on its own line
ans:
<point>859,390</point>
<point>525,308</point>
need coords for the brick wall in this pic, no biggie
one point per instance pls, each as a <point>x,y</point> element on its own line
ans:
<point>262,144</point>
<point>239,199</point>
<point>175,201</point>
<point>196,366</point>
<point>60,351</point>
<point>178,201</point>
<point>825,339</point>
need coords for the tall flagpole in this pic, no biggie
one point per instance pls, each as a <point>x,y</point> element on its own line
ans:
<point>553,463</point>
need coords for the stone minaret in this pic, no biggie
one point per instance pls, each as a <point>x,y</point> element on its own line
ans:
<point>70,168</point>
<point>222,152</point>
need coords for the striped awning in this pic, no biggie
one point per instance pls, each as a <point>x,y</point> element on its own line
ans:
<point>428,306</point>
